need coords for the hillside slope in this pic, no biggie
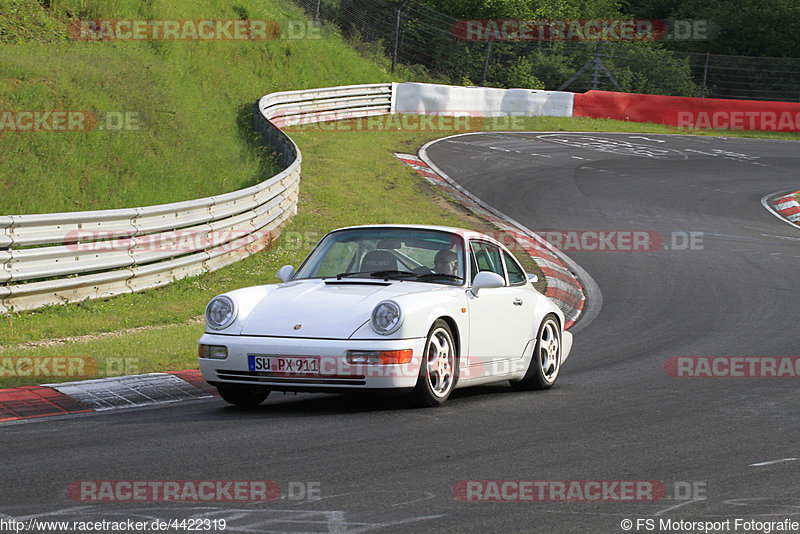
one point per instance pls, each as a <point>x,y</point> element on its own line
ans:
<point>173,116</point>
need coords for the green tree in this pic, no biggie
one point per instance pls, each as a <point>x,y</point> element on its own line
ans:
<point>766,28</point>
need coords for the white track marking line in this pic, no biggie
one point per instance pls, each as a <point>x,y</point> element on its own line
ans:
<point>676,506</point>
<point>645,138</point>
<point>773,462</point>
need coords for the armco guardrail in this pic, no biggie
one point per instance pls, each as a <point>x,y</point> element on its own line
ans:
<point>67,257</point>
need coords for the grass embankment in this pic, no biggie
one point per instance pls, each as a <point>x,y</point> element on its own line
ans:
<point>188,104</point>
<point>197,140</point>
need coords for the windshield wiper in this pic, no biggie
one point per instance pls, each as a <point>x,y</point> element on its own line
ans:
<point>429,276</point>
<point>378,274</point>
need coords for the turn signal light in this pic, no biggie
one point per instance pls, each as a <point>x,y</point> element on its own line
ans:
<point>215,352</point>
<point>383,357</point>
<point>390,357</point>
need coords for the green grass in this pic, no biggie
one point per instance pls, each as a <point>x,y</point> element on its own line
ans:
<point>196,99</point>
<point>24,21</point>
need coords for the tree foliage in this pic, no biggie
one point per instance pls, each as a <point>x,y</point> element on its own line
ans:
<point>765,28</point>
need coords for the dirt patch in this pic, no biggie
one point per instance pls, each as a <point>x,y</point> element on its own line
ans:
<point>91,337</point>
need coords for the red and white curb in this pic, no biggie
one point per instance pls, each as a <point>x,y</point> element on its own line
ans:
<point>103,394</point>
<point>788,206</point>
<point>562,285</point>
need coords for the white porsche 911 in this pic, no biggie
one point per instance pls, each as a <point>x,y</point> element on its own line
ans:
<point>418,310</point>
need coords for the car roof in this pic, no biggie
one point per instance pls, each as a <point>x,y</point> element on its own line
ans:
<point>466,234</point>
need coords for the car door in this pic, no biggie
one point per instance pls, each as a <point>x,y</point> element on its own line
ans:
<point>497,316</point>
<point>522,321</point>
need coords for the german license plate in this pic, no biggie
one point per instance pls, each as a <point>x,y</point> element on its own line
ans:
<point>284,364</point>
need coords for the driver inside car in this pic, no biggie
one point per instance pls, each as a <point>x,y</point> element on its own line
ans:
<point>446,262</point>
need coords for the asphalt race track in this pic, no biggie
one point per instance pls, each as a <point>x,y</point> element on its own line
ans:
<point>723,281</point>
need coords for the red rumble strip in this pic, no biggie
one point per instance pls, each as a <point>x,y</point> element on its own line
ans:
<point>195,378</point>
<point>36,401</point>
<point>788,206</point>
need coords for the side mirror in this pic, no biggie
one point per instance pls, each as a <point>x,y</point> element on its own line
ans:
<point>285,273</point>
<point>486,280</point>
<point>532,278</point>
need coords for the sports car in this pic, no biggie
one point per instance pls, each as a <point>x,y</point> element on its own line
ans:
<point>408,309</point>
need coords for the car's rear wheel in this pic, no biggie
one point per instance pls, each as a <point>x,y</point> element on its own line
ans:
<point>438,368</point>
<point>546,358</point>
<point>243,395</point>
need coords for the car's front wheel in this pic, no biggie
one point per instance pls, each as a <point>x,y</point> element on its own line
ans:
<point>546,358</point>
<point>438,368</point>
<point>243,395</point>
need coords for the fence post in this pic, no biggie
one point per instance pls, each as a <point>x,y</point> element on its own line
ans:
<point>397,33</point>
<point>316,12</point>
<point>396,39</point>
<point>598,66</point>
<point>486,63</point>
<point>705,74</point>
<point>596,75</point>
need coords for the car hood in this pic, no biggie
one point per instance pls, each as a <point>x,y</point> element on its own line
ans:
<point>322,309</point>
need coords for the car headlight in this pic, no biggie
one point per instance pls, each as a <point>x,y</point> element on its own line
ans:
<point>386,317</point>
<point>220,312</point>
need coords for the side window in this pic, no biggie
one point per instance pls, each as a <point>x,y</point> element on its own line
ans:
<point>487,258</point>
<point>516,275</point>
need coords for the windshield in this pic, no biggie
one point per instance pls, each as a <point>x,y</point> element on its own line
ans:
<point>388,253</point>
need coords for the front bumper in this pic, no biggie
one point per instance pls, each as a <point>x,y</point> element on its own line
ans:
<point>335,373</point>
